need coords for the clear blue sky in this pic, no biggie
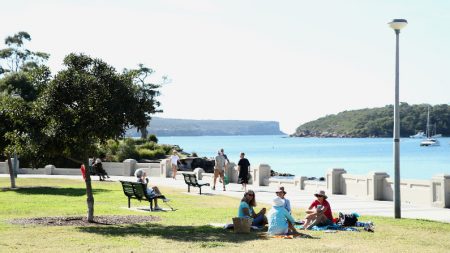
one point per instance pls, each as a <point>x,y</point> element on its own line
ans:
<point>289,61</point>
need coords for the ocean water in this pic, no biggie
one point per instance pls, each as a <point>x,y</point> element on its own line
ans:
<point>314,156</point>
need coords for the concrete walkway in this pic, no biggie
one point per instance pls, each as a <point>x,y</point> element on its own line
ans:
<point>299,199</point>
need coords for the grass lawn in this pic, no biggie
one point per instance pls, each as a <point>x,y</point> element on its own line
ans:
<point>185,230</point>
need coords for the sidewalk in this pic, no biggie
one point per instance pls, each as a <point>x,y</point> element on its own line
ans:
<point>299,199</point>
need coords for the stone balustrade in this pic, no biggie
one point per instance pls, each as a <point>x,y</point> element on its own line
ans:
<point>373,186</point>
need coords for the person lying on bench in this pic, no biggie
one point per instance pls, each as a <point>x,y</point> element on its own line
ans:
<point>319,212</point>
<point>151,191</point>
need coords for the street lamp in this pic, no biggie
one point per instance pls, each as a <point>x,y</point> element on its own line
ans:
<point>397,25</point>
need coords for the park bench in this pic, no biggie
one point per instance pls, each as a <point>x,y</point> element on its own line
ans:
<point>138,191</point>
<point>191,180</point>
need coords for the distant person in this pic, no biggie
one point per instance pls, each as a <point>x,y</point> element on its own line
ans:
<point>98,167</point>
<point>243,167</point>
<point>226,162</point>
<point>219,169</point>
<point>151,191</point>
<point>174,159</point>
<point>279,219</point>
<point>246,206</point>
<point>225,156</point>
<point>281,194</point>
<point>319,212</point>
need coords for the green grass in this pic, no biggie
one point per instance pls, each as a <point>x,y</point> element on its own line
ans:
<point>185,230</point>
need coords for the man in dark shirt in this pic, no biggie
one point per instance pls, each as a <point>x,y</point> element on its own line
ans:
<point>243,167</point>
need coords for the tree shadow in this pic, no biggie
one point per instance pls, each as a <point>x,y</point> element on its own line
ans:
<point>47,190</point>
<point>177,233</point>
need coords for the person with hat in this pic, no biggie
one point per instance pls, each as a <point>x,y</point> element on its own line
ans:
<point>281,193</point>
<point>319,212</point>
<point>280,221</point>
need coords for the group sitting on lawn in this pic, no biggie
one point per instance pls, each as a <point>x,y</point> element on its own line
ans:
<point>279,218</point>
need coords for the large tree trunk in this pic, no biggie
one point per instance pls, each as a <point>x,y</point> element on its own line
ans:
<point>11,173</point>
<point>90,196</point>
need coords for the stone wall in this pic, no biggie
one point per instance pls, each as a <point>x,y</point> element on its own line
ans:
<point>373,186</point>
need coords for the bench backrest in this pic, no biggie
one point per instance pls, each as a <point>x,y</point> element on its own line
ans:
<point>127,188</point>
<point>139,190</point>
<point>134,189</point>
<point>187,178</point>
<point>193,179</point>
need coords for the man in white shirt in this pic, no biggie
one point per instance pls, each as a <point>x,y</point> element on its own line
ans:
<point>219,169</point>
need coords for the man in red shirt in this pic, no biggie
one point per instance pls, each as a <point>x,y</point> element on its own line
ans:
<point>319,212</point>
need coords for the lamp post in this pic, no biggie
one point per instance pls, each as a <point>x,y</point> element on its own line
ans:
<point>397,25</point>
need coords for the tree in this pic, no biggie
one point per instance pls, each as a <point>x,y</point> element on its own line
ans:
<point>16,57</point>
<point>22,78</point>
<point>89,103</point>
<point>146,95</point>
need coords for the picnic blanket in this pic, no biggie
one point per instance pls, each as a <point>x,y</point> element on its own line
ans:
<point>330,227</point>
<point>300,235</point>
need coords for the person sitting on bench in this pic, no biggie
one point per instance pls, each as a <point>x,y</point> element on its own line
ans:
<point>98,168</point>
<point>151,191</point>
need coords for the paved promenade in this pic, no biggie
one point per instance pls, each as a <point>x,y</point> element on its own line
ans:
<point>299,199</point>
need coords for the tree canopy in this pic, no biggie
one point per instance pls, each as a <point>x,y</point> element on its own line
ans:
<point>378,122</point>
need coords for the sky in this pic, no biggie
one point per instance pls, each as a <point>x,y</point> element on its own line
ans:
<point>285,61</point>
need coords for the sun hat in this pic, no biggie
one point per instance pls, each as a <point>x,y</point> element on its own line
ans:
<point>321,193</point>
<point>281,189</point>
<point>278,201</point>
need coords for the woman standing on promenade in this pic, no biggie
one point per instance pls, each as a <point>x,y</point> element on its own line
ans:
<point>243,167</point>
<point>174,159</point>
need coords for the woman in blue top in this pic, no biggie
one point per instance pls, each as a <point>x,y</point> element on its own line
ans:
<point>280,221</point>
<point>246,210</point>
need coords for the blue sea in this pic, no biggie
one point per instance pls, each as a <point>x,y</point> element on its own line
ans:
<point>312,157</point>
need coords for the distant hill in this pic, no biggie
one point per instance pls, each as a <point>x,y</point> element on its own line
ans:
<point>190,127</point>
<point>378,122</point>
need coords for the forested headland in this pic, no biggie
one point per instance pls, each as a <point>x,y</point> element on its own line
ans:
<point>378,122</point>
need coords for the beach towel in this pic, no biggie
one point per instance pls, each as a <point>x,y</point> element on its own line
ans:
<point>330,227</point>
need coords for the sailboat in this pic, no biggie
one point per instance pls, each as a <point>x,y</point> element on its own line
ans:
<point>430,141</point>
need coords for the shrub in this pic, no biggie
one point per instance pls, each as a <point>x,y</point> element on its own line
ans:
<point>151,154</point>
<point>153,138</point>
<point>127,150</point>
<point>149,145</point>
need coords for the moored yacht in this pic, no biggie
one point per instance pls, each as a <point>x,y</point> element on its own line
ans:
<point>419,134</point>
<point>430,141</point>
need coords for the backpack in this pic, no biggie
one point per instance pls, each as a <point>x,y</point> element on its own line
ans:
<point>349,219</point>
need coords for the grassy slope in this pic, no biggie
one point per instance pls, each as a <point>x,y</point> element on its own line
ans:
<point>182,230</point>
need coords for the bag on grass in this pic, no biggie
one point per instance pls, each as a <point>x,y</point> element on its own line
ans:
<point>226,180</point>
<point>347,219</point>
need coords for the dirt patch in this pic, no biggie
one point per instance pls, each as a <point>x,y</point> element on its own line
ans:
<point>82,221</point>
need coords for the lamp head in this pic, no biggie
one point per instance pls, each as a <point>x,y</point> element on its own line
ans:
<point>398,24</point>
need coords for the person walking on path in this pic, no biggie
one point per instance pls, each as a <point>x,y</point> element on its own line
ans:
<point>219,169</point>
<point>174,159</point>
<point>226,162</point>
<point>243,167</point>
<point>281,193</point>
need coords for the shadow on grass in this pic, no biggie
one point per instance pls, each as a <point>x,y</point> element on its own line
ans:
<point>176,233</point>
<point>46,190</point>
